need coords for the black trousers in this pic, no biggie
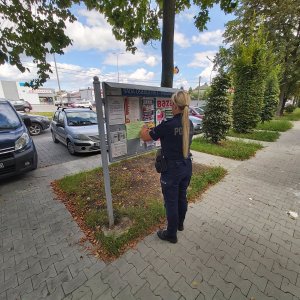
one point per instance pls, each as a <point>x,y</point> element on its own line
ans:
<point>174,184</point>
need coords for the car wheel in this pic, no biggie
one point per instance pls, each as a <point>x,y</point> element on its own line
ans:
<point>71,148</point>
<point>35,129</point>
<point>26,109</point>
<point>55,140</point>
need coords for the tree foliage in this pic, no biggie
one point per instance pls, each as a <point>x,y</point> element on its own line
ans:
<point>216,121</point>
<point>281,20</point>
<point>271,96</point>
<point>249,69</point>
<point>35,28</point>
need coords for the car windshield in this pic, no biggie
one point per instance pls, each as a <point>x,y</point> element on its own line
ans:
<point>199,110</point>
<point>82,118</point>
<point>8,117</point>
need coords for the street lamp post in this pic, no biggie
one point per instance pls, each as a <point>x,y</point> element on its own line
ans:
<point>118,53</point>
<point>56,72</point>
<point>199,91</point>
<point>211,69</point>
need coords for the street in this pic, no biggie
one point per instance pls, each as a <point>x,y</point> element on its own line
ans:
<point>50,153</point>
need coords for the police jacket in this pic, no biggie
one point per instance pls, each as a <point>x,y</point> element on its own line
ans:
<point>170,134</point>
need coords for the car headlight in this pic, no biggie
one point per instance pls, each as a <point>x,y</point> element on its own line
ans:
<point>82,137</point>
<point>22,141</point>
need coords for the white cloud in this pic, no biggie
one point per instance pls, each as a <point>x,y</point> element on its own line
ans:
<point>207,74</point>
<point>203,59</point>
<point>141,74</point>
<point>182,82</point>
<point>73,77</point>
<point>209,38</point>
<point>127,59</point>
<point>95,34</point>
<point>151,61</point>
<point>181,40</point>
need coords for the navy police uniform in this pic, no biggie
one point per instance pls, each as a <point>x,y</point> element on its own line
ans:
<point>176,179</point>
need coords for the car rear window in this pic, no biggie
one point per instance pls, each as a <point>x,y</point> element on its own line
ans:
<point>8,117</point>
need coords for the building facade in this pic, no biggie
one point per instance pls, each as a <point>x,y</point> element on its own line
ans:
<point>14,90</point>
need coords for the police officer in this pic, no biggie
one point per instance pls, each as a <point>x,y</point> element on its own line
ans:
<point>175,136</point>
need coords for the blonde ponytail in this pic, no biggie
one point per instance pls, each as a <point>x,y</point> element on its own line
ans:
<point>182,100</point>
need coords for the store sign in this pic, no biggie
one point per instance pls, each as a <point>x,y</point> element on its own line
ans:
<point>41,91</point>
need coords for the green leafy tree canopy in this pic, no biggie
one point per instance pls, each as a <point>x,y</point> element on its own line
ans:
<point>35,28</point>
<point>281,20</point>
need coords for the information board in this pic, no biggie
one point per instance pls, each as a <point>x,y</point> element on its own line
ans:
<point>127,109</point>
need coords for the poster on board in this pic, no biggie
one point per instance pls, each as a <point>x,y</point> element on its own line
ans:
<point>116,110</point>
<point>118,143</point>
<point>132,117</point>
<point>163,110</point>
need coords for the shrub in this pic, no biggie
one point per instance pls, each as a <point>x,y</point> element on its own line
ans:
<point>271,97</point>
<point>216,121</point>
<point>290,108</point>
<point>249,68</point>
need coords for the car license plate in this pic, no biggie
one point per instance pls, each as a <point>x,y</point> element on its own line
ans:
<point>1,165</point>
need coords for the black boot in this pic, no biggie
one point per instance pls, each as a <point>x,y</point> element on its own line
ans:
<point>163,235</point>
<point>180,227</point>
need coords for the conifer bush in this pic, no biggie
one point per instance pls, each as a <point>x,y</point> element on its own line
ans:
<point>271,97</point>
<point>249,68</point>
<point>216,121</point>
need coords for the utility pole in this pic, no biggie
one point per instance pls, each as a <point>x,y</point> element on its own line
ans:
<point>199,91</point>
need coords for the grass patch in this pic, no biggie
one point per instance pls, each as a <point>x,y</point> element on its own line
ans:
<point>275,125</point>
<point>294,116</point>
<point>138,209</point>
<point>45,114</point>
<point>238,150</point>
<point>266,136</point>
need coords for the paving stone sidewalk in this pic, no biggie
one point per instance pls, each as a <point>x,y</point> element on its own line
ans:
<point>238,243</point>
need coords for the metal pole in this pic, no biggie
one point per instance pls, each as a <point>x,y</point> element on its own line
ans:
<point>99,110</point>
<point>56,73</point>
<point>118,65</point>
<point>211,69</point>
<point>199,91</point>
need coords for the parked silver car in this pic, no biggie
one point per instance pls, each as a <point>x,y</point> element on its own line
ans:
<point>197,123</point>
<point>77,128</point>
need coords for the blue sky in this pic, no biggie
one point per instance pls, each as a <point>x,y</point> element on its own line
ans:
<point>94,52</point>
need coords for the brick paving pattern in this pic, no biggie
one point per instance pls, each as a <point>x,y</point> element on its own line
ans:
<point>238,243</point>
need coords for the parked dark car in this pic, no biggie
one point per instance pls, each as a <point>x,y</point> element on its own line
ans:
<point>21,105</point>
<point>17,150</point>
<point>38,123</point>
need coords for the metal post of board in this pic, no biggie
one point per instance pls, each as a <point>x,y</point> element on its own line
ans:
<point>105,169</point>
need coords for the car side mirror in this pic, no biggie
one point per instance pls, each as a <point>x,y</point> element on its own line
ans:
<point>60,125</point>
<point>27,122</point>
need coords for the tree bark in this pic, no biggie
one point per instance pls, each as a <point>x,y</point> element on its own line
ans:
<point>167,43</point>
<point>282,100</point>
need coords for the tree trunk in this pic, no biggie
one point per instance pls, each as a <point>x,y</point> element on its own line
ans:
<point>167,43</point>
<point>282,100</point>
